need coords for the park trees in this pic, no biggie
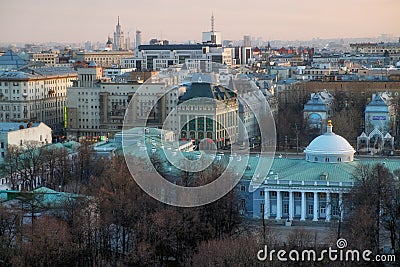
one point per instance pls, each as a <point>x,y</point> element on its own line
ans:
<point>373,208</point>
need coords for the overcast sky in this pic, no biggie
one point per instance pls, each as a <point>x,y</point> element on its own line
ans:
<point>182,20</point>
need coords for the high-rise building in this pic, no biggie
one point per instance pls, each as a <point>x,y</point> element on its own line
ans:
<point>128,43</point>
<point>212,37</point>
<point>247,41</point>
<point>119,40</point>
<point>138,39</point>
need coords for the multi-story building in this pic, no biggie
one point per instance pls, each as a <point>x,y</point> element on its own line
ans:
<point>47,58</point>
<point>209,111</point>
<point>138,40</point>
<point>390,50</point>
<point>241,55</point>
<point>35,95</point>
<point>156,57</point>
<point>17,134</point>
<point>106,59</point>
<point>113,73</point>
<point>322,72</point>
<point>97,108</point>
<point>119,40</point>
<point>212,37</point>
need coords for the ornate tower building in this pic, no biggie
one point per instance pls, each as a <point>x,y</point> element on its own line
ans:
<point>119,40</point>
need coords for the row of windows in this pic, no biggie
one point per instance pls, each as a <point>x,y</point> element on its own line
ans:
<point>310,209</point>
<point>86,107</point>
<point>339,159</point>
<point>14,115</point>
<point>56,81</point>
<point>88,127</point>
<point>93,120</point>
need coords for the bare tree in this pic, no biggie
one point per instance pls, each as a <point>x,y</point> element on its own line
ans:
<point>368,216</point>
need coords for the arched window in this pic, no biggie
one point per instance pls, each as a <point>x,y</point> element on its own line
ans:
<point>315,159</point>
<point>326,159</point>
<point>339,159</point>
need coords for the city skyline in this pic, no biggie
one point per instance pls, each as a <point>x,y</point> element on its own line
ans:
<point>180,21</point>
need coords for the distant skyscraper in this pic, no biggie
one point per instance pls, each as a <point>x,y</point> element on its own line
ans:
<point>138,38</point>
<point>119,40</point>
<point>88,45</point>
<point>247,41</point>
<point>128,43</point>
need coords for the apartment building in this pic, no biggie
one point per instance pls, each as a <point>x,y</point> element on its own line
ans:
<point>35,95</point>
<point>97,108</point>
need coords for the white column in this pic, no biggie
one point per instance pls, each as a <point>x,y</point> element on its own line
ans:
<point>315,208</point>
<point>278,205</point>
<point>303,206</point>
<point>291,206</point>
<point>328,207</point>
<point>267,211</point>
<point>341,206</point>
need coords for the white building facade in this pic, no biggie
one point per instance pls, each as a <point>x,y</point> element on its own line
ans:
<point>36,95</point>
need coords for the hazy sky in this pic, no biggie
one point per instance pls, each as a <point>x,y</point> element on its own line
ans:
<point>181,20</point>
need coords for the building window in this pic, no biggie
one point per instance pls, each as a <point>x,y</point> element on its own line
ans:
<point>261,208</point>
<point>285,194</point>
<point>315,159</point>
<point>273,193</point>
<point>243,203</point>
<point>242,188</point>
<point>285,208</point>
<point>335,210</point>
<point>262,193</point>
<point>297,194</point>
<point>322,209</point>
<point>326,159</point>
<point>339,159</point>
<point>2,144</point>
<point>310,209</point>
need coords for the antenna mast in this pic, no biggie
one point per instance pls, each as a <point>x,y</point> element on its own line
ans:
<point>212,22</point>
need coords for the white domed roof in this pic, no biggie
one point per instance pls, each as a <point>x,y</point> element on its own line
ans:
<point>330,144</point>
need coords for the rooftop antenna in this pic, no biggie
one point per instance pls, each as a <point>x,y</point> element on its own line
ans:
<point>212,22</point>
<point>118,20</point>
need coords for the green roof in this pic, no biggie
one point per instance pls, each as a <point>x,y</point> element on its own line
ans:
<point>288,169</point>
<point>46,196</point>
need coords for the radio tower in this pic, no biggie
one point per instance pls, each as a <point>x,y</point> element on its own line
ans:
<point>212,22</point>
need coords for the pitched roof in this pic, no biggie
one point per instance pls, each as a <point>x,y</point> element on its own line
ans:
<point>11,60</point>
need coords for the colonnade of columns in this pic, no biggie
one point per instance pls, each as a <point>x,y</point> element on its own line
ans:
<point>317,205</point>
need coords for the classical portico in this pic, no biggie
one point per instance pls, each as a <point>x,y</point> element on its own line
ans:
<point>303,204</point>
<point>312,189</point>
